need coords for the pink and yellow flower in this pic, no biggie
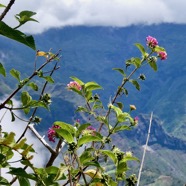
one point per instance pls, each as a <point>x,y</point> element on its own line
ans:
<point>151,41</point>
<point>74,84</point>
<point>162,55</point>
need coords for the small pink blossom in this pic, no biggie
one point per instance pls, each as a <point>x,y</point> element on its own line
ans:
<point>89,131</point>
<point>74,84</point>
<point>136,119</point>
<point>162,55</point>
<point>52,133</point>
<point>151,41</point>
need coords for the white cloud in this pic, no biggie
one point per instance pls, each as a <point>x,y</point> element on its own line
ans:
<point>41,155</point>
<point>99,12</point>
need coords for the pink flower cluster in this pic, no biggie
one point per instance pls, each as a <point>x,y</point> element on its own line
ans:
<point>162,55</point>
<point>51,133</point>
<point>152,43</point>
<point>89,131</point>
<point>74,84</point>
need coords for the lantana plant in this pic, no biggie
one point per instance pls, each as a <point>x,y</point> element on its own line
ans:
<point>85,148</point>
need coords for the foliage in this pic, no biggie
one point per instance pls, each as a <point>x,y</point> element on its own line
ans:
<point>89,151</point>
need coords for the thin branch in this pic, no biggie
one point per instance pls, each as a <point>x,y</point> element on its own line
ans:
<point>8,7</point>
<point>31,127</point>
<point>145,149</point>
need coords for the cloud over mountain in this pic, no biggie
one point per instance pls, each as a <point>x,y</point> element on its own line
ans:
<point>99,13</point>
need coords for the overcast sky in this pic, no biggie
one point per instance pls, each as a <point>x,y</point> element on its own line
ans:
<point>120,13</point>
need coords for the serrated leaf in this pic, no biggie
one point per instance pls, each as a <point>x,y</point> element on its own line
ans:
<point>135,83</point>
<point>2,70</point>
<point>87,139</point>
<point>65,134</point>
<point>33,86</point>
<point>15,74</point>
<point>16,35</point>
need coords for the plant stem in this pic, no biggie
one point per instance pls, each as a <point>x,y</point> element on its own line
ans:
<point>145,149</point>
<point>7,9</point>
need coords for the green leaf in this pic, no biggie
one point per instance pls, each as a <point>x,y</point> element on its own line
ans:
<point>90,86</point>
<point>135,83</point>
<point>49,79</point>
<point>87,139</point>
<point>12,115</point>
<point>136,62</point>
<point>9,140</point>
<point>85,157</point>
<point>33,86</point>
<point>120,105</point>
<point>123,117</point>
<point>2,6</point>
<point>81,128</point>
<point>158,49</point>
<point>25,16</point>
<point>65,134</point>
<point>35,103</point>
<point>117,110</point>
<point>25,98</point>
<point>66,126</point>
<point>3,181</point>
<point>21,172</point>
<point>16,35</point>
<point>132,158</point>
<point>27,150</point>
<point>121,128</point>
<point>59,175</point>
<point>20,144</point>
<point>153,65</point>
<point>110,154</point>
<point>23,181</point>
<point>92,163</point>
<point>77,80</point>
<point>121,71</point>
<point>141,48</point>
<point>15,74</point>
<point>2,70</point>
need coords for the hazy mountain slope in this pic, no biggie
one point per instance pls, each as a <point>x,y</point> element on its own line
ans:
<point>90,53</point>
